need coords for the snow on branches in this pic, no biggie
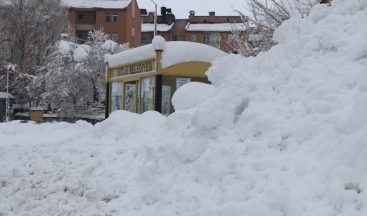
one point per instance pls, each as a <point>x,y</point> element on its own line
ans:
<point>75,75</point>
<point>265,17</point>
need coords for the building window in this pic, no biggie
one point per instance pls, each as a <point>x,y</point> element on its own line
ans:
<point>80,16</point>
<point>114,37</point>
<point>111,17</point>
<point>108,17</point>
<point>212,38</point>
<point>231,38</point>
<point>114,17</point>
<point>193,37</point>
<point>206,39</point>
<point>146,37</point>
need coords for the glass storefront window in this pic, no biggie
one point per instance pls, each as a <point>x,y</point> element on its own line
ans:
<point>166,100</point>
<point>130,96</point>
<point>116,96</point>
<point>147,94</point>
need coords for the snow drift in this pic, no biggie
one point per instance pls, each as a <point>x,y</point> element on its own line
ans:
<point>280,134</point>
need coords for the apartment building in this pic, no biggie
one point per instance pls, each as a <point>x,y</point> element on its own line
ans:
<point>212,30</point>
<point>120,19</point>
<point>165,24</point>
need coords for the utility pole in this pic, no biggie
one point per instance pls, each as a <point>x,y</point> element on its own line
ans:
<point>7,111</point>
<point>155,17</point>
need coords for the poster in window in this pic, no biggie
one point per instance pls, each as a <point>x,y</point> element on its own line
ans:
<point>182,81</point>
<point>116,96</point>
<point>147,94</point>
<point>130,97</point>
<point>166,100</point>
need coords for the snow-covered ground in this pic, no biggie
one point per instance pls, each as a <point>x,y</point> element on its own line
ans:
<point>282,134</point>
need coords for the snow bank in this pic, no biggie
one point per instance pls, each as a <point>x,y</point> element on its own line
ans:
<point>191,95</point>
<point>283,134</point>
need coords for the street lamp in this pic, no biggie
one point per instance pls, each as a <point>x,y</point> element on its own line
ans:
<point>155,17</point>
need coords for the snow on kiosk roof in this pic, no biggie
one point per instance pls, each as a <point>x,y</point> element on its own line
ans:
<point>107,4</point>
<point>145,78</point>
<point>175,52</point>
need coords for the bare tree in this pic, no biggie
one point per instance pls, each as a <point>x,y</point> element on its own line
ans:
<point>265,17</point>
<point>249,39</point>
<point>28,28</point>
<point>32,26</point>
<point>304,6</point>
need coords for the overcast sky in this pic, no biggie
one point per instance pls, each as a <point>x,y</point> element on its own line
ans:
<point>181,8</point>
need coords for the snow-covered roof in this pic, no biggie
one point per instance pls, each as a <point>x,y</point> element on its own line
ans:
<point>149,27</point>
<point>107,4</point>
<point>131,55</point>
<point>175,52</point>
<point>37,108</point>
<point>217,27</point>
<point>6,95</point>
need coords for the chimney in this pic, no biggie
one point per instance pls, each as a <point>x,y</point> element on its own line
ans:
<point>211,13</point>
<point>163,11</point>
<point>144,12</point>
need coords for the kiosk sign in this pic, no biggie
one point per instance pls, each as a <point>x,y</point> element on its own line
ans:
<point>133,69</point>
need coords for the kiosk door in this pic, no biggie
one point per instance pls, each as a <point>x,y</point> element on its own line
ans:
<point>131,96</point>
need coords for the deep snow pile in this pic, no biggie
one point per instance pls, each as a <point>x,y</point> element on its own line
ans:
<point>281,134</point>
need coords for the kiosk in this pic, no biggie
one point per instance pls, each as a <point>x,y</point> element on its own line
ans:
<point>145,78</point>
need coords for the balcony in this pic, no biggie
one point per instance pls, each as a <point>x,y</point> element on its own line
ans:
<point>85,27</point>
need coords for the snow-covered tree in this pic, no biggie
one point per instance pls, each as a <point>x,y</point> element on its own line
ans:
<point>75,75</point>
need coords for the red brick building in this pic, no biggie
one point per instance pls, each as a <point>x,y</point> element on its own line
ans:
<point>165,23</point>
<point>212,30</point>
<point>120,19</point>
